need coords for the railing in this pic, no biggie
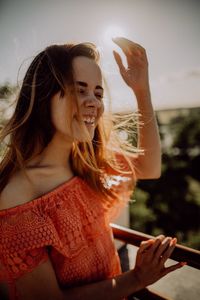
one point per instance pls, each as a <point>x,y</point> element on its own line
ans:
<point>180,253</point>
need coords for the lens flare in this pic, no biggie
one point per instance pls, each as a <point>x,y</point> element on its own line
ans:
<point>112,32</point>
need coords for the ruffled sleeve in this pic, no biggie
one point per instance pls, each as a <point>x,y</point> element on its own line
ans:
<point>25,234</point>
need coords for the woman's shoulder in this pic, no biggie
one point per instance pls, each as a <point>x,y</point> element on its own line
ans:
<point>37,182</point>
<point>17,191</point>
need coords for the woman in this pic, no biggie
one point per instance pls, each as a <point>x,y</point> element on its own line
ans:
<point>56,202</point>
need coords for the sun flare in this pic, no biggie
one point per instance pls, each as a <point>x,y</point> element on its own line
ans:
<point>112,32</point>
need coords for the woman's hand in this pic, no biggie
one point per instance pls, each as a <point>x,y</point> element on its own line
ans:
<point>136,73</point>
<point>151,258</point>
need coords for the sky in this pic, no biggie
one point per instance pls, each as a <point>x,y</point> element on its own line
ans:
<point>168,30</point>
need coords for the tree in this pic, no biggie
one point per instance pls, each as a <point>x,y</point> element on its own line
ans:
<point>173,201</point>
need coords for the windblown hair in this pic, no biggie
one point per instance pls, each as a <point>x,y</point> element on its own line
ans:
<point>30,129</point>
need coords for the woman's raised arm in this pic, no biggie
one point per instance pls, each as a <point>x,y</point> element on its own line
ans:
<point>136,77</point>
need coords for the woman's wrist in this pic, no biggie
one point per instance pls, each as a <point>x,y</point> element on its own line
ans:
<point>136,281</point>
<point>142,91</point>
<point>143,98</point>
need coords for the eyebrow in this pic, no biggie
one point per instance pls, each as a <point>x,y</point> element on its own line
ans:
<point>84,84</point>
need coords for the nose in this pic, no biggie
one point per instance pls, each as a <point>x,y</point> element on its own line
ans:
<point>92,101</point>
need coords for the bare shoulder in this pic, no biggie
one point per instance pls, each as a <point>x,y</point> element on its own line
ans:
<point>21,189</point>
<point>17,191</point>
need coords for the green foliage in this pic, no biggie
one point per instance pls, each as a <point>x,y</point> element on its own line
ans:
<point>171,204</point>
<point>144,214</point>
<point>6,90</point>
<point>186,131</point>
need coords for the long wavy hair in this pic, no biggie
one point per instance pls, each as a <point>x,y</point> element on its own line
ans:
<point>30,129</point>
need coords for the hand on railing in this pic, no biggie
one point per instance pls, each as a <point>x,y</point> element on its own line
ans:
<point>151,258</point>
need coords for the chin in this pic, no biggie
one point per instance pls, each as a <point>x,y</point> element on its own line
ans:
<point>85,134</point>
<point>92,133</point>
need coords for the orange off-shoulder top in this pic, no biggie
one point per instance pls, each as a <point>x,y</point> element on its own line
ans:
<point>68,225</point>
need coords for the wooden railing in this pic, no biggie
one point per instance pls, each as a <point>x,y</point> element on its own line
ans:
<point>180,253</point>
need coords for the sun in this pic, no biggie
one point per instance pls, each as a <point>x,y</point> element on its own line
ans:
<point>107,45</point>
<point>112,32</point>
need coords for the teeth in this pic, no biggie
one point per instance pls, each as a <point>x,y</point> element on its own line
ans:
<point>89,119</point>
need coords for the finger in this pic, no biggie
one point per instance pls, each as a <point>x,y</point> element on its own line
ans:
<point>145,245</point>
<point>169,251</point>
<point>157,242</point>
<point>123,43</point>
<point>174,267</point>
<point>129,47</point>
<point>119,62</point>
<point>163,247</point>
<point>120,39</point>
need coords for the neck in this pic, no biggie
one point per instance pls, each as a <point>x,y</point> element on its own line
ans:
<point>55,155</point>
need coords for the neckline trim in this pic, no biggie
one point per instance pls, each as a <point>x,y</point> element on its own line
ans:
<point>32,202</point>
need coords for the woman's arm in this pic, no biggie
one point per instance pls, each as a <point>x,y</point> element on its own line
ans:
<point>148,165</point>
<point>41,284</point>
<point>136,77</point>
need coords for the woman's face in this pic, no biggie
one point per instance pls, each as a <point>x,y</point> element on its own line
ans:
<point>88,81</point>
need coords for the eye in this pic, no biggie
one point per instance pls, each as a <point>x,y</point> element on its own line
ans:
<point>99,96</point>
<point>81,91</point>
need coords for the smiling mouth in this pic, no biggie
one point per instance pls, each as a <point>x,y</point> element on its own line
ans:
<point>89,121</point>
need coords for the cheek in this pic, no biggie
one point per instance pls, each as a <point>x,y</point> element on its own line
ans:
<point>57,116</point>
<point>61,117</point>
<point>80,132</point>
<point>101,110</point>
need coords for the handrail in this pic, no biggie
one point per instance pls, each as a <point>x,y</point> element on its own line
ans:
<point>180,253</point>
